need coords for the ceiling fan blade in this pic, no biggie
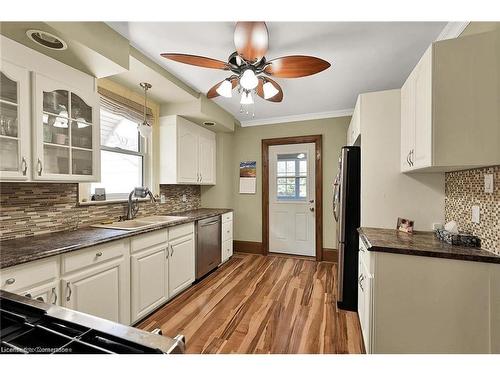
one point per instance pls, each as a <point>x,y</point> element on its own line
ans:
<point>212,93</point>
<point>251,40</point>
<point>260,90</point>
<point>295,66</point>
<point>204,62</point>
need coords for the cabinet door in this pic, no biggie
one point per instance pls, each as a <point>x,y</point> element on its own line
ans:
<point>48,293</point>
<point>365,303</point>
<point>181,265</point>
<point>187,155</point>
<point>65,132</point>
<point>149,280</point>
<point>422,147</point>
<point>227,250</point>
<point>207,159</point>
<point>14,122</point>
<point>101,291</point>
<point>407,122</point>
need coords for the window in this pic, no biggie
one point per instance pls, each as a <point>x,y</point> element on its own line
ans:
<point>291,177</point>
<point>124,153</point>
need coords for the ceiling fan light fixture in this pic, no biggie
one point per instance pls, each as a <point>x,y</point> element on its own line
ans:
<point>269,90</point>
<point>246,98</point>
<point>225,89</point>
<point>249,80</point>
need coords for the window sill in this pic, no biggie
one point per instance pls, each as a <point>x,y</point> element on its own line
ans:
<point>110,201</point>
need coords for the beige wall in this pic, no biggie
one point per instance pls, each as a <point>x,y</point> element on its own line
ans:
<point>246,145</point>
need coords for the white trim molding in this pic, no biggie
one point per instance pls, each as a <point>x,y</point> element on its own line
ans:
<point>452,30</point>
<point>297,118</point>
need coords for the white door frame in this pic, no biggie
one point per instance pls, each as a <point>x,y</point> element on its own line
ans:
<point>265,143</point>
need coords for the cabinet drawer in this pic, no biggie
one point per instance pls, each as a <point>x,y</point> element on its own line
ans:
<point>93,255</point>
<point>227,217</point>
<point>143,241</point>
<point>227,231</point>
<point>365,255</point>
<point>24,276</point>
<point>227,249</point>
<point>180,231</point>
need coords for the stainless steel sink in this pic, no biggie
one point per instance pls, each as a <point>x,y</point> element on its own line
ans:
<point>143,222</point>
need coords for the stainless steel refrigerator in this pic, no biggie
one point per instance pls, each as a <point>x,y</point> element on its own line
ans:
<point>346,211</point>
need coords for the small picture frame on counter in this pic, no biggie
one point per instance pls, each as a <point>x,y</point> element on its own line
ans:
<point>405,225</point>
<point>100,194</point>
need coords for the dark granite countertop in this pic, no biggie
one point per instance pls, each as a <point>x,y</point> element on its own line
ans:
<point>423,244</point>
<point>27,249</point>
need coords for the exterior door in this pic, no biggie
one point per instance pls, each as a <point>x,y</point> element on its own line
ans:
<point>292,226</point>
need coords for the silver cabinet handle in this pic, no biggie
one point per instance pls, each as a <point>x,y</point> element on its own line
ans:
<point>40,166</point>
<point>167,252</point>
<point>55,296</point>
<point>98,254</point>
<point>24,166</point>
<point>68,288</point>
<point>10,281</point>
<point>172,250</point>
<point>28,295</point>
<point>408,159</point>
<point>360,281</point>
<point>201,177</point>
<point>412,152</point>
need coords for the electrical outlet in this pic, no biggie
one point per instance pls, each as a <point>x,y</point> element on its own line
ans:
<point>475,214</point>
<point>488,183</point>
<point>184,199</point>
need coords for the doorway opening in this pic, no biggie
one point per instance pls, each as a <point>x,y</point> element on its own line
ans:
<point>292,194</point>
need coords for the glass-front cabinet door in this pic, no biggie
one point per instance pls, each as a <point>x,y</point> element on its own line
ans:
<point>14,122</point>
<point>67,132</point>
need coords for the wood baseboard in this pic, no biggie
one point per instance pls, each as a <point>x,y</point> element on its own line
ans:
<point>330,255</point>
<point>247,247</point>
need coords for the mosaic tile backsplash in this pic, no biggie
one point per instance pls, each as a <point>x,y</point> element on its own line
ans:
<point>28,209</point>
<point>465,189</point>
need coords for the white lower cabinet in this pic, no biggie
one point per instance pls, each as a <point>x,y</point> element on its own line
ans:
<point>48,293</point>
<point>149,280</point>
<point>100,284</point>
<point>181,264</point>
<point>162,265</point>
<point>227,236</point>
<point>415,304</point>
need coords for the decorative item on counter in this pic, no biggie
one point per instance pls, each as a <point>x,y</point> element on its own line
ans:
<point>459,239</point>
<point>451,226</point>
<point>405,225</point>
<point>100,194</point>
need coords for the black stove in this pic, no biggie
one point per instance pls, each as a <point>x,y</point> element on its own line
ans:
<point>31,327</point>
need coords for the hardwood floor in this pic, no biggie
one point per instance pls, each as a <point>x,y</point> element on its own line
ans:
<point>262,304</point>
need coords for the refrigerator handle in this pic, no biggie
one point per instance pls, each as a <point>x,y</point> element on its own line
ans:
<point>335,200</point>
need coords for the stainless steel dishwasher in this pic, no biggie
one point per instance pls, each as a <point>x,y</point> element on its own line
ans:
<point>208,245</point>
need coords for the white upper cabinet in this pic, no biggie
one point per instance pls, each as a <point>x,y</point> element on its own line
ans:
<point>65,132</point>
<point>188,153</point>
<point>354,130</point>
<point>49,127</point>
<point>449,106</point>
<point>14,122</point>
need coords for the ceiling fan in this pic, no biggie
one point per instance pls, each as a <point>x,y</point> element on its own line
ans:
<point>251,70</point>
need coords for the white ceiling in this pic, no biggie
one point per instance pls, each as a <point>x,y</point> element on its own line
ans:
<point>365,56</point>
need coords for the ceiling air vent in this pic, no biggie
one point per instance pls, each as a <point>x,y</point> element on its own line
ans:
<point>46,39</point>
<point>209,123</point>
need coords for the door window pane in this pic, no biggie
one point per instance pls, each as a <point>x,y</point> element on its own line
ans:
<point>9,154</point>
<point>56,102</point>
<point>291,183</point>
<point>8,89</point>
<point>55,159</point>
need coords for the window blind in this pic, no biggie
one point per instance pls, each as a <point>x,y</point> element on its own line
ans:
<point>122,106</point>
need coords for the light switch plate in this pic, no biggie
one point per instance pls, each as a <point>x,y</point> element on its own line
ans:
<point>184,199</point>
<point>475,214</point>
<point>488,183</point>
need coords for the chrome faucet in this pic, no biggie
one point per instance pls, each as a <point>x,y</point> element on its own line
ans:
<point>133,206</point>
